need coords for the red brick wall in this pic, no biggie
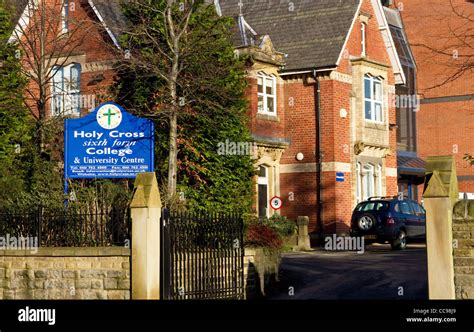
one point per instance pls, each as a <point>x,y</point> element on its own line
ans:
<point>443,128</point>
<point>90,40</point>
<point>263,127</point>
<point>298,124</point>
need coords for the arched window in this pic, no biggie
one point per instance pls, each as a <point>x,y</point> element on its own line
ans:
<point>66,88</point>
<point>369,181</point>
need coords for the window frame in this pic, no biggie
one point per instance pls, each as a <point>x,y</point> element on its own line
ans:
<point>378,175</point>
<point>373,80</point>
<point>368,181</point>
<point>264,77</point>
<point>69,91</point>
<point>65,17</point>
<point>358,182</point>
<point>264,181</point>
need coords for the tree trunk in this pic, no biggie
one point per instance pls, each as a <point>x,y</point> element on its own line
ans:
<point>173,155</point>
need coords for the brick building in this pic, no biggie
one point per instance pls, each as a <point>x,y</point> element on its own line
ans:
<point>325,127</point>
<point>76,76</point>
<point>320,86</point>
<point>445,121</point>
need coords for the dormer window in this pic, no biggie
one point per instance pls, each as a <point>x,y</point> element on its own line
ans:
<point>266,94</point>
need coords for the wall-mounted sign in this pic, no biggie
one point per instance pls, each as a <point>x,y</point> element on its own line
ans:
<point>339,177</point>
<point>108,143</point>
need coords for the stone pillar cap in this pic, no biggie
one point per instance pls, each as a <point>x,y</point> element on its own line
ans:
<point>146,193</point>
<point>302,220</point>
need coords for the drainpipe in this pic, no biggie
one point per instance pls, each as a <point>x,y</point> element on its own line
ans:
<point>319,192</point>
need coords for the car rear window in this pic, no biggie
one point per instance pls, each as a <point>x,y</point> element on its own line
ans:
<point>372,206</point>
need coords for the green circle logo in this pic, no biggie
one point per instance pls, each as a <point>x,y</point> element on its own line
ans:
<point>109,116</point>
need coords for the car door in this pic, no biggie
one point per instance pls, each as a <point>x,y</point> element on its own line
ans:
<point>421,218</point>
<point>409,217</point>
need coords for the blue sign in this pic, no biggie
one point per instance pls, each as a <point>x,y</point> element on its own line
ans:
<point>108,143</point>
<point>339,177</point>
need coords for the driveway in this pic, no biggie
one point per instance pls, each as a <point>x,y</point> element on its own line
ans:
<point>379,273</point>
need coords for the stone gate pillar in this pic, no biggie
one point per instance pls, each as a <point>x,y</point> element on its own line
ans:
<point>440,194</point>
<point>146,213</point>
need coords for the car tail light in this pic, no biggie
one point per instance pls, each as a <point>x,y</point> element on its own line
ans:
<point>390,222</point>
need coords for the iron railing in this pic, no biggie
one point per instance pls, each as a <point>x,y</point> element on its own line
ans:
<point>71,227</point>
<point>202,256</point>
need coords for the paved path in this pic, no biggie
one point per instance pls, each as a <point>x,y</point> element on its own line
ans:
<point>376,274</point>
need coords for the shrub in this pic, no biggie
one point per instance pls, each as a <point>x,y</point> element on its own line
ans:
<point>261,235</point>
<point>282,225</point>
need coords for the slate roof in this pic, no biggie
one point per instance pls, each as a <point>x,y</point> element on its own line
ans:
<point>111,13</point>
<point>18,7</point>
<point>312,35</point>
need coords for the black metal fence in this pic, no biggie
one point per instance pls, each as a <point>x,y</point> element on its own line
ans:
<point>202,256</point>
<point>71,227</point>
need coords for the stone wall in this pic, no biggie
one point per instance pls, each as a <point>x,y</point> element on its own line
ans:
<point>261,267</point>
<point>463,237</point>
<point>65,273</point>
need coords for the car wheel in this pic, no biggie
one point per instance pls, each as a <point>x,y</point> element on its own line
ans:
<point>400,242</point>
<point>366,222</point>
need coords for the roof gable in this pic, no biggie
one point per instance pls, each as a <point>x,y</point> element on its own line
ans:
<point>108,12</point>
<point>312,33</point>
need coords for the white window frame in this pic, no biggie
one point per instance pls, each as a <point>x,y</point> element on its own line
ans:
<point>65,17</point>
<point>369,181</point>
<point>363,30</point>
<point>265,182</point>
<point>358,183</point>
<point>264,78</point>
<point>376,117</point>
<point>378,172</point>
<point>63,93</point>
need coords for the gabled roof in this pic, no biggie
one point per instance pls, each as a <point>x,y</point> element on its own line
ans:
<point>108,12</point>
<point>312,35</point>
<point>18,6</point>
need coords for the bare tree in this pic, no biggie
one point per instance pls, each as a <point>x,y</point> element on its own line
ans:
<point>165,29</point>
<point>454,47</point>
<point>47,35</point>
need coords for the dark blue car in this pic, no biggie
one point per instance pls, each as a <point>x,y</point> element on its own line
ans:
<point>389,219</point>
